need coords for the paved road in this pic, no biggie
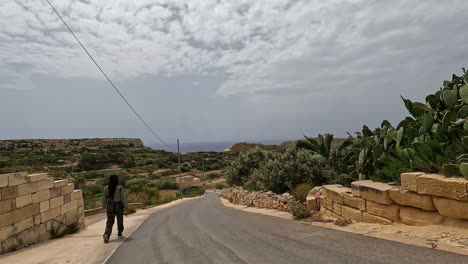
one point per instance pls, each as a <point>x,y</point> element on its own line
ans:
<point>203,231</point>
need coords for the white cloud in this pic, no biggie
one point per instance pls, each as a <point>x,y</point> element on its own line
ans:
<point>261,46</point>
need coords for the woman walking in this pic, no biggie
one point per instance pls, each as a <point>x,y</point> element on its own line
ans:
<point>115,202</point>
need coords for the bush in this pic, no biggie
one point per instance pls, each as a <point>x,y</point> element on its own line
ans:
<point>240,170</point>
<point>166,184</point>
<point>186,167</point>
<point>299,210</point>
<point>301,191</point>
<point>213,176</point>
<point>137,185</point>
<point>252,186</point>
<point>220,186</point>
<point>292,168</point>
<point>193,191</point>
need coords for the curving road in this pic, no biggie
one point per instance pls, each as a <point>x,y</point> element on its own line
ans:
<point>203,231</point>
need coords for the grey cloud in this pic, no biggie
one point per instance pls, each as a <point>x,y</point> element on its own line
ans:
<point>281,66</point>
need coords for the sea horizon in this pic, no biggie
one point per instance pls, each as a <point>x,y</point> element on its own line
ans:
<point>216,146</point>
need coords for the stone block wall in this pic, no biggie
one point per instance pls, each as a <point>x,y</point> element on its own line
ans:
<point>422,199</point>
<point>268,200</point>
<point>35,208</point>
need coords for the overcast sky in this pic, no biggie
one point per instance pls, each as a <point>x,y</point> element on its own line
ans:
<point>214,70</point>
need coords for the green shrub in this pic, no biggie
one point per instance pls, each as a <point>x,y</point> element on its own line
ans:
<point>137,185</point>
<point>212,176</point>
<point>166,184</point>
<point>301,191</point>
<point>193,191</point>
<point>220,186</point>
<point>292,168</point>
<point>240,170</point>
<point>299,210</point>
<point>251,186</point>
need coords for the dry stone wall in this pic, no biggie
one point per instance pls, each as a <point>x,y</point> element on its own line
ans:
<point>35,208</point>
<point>68,144</point>
<point>268,200</point>
<point>422,199</point>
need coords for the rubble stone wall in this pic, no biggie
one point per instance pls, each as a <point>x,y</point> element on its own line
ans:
<point>34,208</point>
<point>268,200</point>
<point>422,199</point>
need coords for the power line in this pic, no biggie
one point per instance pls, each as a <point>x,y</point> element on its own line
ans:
<point>108,79</point>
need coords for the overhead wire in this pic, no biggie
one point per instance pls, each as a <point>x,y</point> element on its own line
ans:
<point>109,80</point>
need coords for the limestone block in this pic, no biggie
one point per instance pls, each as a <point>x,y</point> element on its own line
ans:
<point>412,199</point>
<point>327,203</point>
<point>36,177</point>
<point>27,188</point>
<point>78,194</point>
<point>9,245</point>
<point>3,180</point>
<point>390,212</point>
<point>438,185</point>
<point>334,192</point>
<point>312,203</point>
<point>23,225</point>
<point>23,200</point>
<point>418,217</point>
<point>60,183</point>
<point>373,191</point>
<point>45,184</point>
<point>19,214</point>
<point>6,232</point>
<point>69,206</point>
<point>351,213</point>
<point>80,202</point>
<point>9,192</point>
<point>44,206</point>
<point>368,218</point>
<point>28,237</point>
<point>353,201</point>
<point>337,208</point>
<point>69,188</point>
<point>54,192</point>
<point>355,187</point>
<point>16,178</point>
<point>408,181</point>
<point>67,199</point>
<point>457,223</point>
<point>80,210</point>
<point>6,206</point>
<point>41,196</point>
<point>56,202</point>
<point>37,219</point>
<point>70,217</point>
<point>451,208</point>
<point>50,214</point>
<point>43,233</point>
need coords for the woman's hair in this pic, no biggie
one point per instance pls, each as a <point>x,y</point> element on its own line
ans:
<point>113,182</point>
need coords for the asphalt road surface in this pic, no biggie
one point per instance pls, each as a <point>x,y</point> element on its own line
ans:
<point>203,231</point>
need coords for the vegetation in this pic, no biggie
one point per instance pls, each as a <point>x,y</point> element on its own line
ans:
<point>301,191</point>
<point>299,210</point>
<point>259,169</point>
<point>433,139</point>
<point>192,191</point>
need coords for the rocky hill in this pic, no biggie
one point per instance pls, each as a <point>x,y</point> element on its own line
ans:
<point>68,144</point>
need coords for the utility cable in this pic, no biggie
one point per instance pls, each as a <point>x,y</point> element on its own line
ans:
<point>109,80</point>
